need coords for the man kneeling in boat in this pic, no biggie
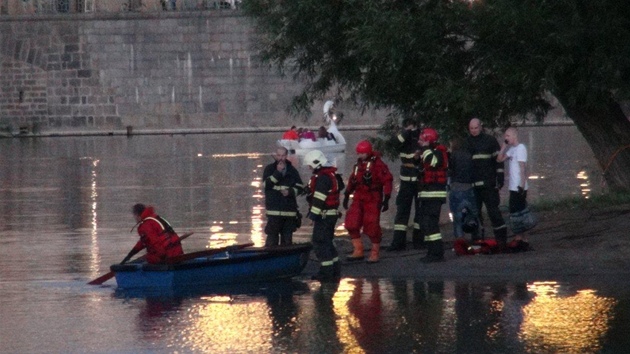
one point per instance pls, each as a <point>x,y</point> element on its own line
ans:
<point>156,234</point>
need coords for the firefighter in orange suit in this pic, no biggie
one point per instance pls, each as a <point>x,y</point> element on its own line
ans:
<point>434,162</point>
<point>371,184</point>
<point>323,198</point>
<point>156,234</point>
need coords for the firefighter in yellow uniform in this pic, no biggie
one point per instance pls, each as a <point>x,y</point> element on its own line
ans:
<point>434,161</point>
<point>323,198</point>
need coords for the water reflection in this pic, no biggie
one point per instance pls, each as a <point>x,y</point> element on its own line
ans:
<point>64,215</point>
<point>585,184</point>
<point>568,323</point>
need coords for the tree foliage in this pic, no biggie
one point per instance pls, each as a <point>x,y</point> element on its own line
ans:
<point>446,61</point>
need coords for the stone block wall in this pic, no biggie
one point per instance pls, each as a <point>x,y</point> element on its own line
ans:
<point>169,71</point>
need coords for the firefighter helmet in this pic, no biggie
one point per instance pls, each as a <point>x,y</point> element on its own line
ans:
<point>364,147</point>
<point>429,135</point>
<point>315,159</point>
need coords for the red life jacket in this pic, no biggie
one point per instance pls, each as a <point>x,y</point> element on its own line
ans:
<point>363,168</point>
<point>437,174</point>
<point>380,177</point>
<point>158,238</point>
<point>332,198</point>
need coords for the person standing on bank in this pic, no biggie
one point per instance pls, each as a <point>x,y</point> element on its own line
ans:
<point>371,184</point>
<point>282,183</point>
<point>461,195</point>
<point>434,159</point>
<point>488,177</point>
<point>156,235</point>
<point>406,143</point>
<point>516,155</point>
<point>323,197</point>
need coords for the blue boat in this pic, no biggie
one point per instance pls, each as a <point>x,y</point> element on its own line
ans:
<point>229,265</point>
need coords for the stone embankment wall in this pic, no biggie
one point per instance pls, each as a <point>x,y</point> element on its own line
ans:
<point>103,73</point>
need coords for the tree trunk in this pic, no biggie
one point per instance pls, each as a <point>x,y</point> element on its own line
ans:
<point>607,131</point>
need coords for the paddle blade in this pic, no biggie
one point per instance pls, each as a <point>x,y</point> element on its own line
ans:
<point>103,278</point>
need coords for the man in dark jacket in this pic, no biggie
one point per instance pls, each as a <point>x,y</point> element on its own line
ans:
<point>488,177</point>
<point>406,142</point>
<point>282,183</point>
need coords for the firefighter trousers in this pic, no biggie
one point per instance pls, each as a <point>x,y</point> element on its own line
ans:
<point>364,214</point>
<point>279,230</point>
<point>323,235</point>
<point>430,209</point>
<point>490,197</point>
<point>406,199</point>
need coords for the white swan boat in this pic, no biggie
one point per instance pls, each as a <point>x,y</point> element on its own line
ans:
<point>324,145</point>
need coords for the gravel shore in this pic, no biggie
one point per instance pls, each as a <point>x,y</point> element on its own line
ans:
<point>567,245</point>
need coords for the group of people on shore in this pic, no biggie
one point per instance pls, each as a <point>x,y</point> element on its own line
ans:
<point>470,174</point>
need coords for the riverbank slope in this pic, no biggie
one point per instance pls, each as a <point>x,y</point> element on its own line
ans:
<point>589,242</point>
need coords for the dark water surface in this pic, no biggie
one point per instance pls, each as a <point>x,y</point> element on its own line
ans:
<point>65,217</point>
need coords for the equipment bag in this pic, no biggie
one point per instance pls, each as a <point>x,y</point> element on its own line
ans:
<point>522,221</point>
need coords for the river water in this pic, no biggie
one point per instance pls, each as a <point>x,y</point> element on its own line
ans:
<point>65,217</point>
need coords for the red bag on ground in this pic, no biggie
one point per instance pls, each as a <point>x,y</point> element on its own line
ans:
<point>464,248</point>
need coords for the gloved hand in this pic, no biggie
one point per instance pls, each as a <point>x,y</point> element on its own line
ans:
<point>500,180</point>
<point>385,205</point>
<point>521,191</point>
<point>314,217</point>
<point>129,255</point>
<point>367,178</point>
<point>345,201</point>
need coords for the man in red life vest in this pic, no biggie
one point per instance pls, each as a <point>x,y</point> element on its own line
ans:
<point>434,162</point>
<point>323,197</point>
<point>156,235</point>
<point>371,184</point>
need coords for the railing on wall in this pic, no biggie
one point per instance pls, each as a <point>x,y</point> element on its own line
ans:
<point>34,7</point>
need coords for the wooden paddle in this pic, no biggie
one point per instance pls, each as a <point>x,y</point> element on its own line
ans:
<point>205,253</point>
<point>105,277</point>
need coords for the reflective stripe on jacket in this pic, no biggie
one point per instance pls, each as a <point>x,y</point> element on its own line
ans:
<point>324,192</point>
<point>435,163</point>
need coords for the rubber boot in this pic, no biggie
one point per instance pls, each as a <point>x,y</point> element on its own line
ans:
<point>374,253</point>
<point>337,270</point>
<point>399,243</point>
<point>500,235</point>
<point>418,240</point>
<point>357,254</point>
<point>435,252</point>
<point>325,274</point>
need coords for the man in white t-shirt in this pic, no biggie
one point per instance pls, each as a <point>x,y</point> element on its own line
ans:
<point>516,155</point>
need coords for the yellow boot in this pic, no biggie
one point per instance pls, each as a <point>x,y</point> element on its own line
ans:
<point>357,254</point>
<point>374,253</point>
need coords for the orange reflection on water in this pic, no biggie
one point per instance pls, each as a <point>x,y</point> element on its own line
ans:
<point>219,324</point>
<point>555,322</point>
<point>347,322</point>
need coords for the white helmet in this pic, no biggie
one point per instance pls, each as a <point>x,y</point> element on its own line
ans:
<point>315,159</point>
